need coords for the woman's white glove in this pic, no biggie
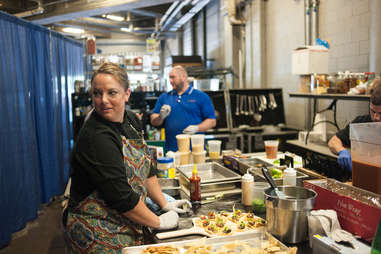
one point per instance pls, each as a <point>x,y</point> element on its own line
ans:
<point>168,220</point>
<point>174,206</point>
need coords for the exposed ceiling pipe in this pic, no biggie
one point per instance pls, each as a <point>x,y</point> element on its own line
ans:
<point>168,12</point>
<point>231,9</point>
<point>315,21</point>
<point>307,22</point>
<point>187,16</point>
<point>79,9</point>
<point>174,13</point>
<point>38,10</point>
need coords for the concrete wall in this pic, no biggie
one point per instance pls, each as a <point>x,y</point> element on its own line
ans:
<point>344,23</point>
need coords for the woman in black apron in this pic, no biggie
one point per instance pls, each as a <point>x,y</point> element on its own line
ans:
<point>112,174</point>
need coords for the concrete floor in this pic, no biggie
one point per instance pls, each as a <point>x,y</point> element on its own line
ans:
<point>43,235</point>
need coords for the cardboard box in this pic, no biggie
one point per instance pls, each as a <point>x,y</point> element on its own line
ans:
<point>310,59</point>
<point>355,216</point>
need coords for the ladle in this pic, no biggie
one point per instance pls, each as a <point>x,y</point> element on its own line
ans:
<point>271,181</point>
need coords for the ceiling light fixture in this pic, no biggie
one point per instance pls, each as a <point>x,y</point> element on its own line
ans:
<point>113,17</point>
<point>126,29</point>
<point>73,30</point>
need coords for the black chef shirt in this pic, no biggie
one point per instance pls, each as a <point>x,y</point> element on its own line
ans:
<point>343,134</point>
<point>97,162</point>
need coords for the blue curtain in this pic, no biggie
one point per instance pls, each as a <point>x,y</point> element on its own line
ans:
<point>37,72</point>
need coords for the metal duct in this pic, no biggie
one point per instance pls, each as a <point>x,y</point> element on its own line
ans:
<point>375,36</point>
<point>231,9</point>
<point>314,21</point>
<point>307,22</point>
<point>38,10</point>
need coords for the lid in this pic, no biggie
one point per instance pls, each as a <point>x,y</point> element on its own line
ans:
<point>289,172</point>
<point>247,177</point>
<point>194,172</point>
<point>164,160</point>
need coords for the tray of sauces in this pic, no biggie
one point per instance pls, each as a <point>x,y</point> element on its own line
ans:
<point>254,165</point>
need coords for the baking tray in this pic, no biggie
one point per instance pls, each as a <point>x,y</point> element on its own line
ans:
<point>210,172</point>
<point>258,239</point>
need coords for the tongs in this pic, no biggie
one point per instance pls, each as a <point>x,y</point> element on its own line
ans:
<point>271,181</point>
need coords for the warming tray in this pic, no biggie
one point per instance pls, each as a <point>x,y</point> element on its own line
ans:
<point>210,172</point>
<point>258,240</point>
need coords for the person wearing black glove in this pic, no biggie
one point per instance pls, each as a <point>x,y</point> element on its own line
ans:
<point>340,143</point>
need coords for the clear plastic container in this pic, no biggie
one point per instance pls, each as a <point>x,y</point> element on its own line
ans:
<point>199,157</point>
<point>271,147</point>
<point>197,143</point>
<point>259,190</point>
<point>185,157</point>
<point>366,156</point>
<point>183,142</point>
<point>214,147</point>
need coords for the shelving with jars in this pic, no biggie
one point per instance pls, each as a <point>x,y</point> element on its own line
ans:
<point>143,69</point>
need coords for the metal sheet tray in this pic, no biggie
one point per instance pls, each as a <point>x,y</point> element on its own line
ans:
<point>255,162</point>
<point>253,239</point>
<point>210,172</point>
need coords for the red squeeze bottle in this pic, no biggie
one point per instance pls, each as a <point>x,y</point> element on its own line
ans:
<point>195,187</point>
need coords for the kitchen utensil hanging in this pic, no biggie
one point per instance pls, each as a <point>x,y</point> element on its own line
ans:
<point>272,101</point>
<point>257,115</point>
<point>237,105</point>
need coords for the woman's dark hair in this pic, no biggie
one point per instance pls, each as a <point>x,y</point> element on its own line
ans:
<point>115,70</point>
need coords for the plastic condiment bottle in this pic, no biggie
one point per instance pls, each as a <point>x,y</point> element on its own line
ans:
<point>247,187</point>
<point>289,177</point>
<point>195,187</point>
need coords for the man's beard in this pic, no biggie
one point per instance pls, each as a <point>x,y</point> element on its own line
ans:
<point>179,87</point>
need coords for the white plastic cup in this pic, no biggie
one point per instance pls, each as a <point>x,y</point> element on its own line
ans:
<point>259,190</point>
<point>271,147</point>
<point>197,143</point>
<point>214,147</point>
<point>183,142</point>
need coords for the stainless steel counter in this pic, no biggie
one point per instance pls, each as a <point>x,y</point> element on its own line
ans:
<point>226,204</point>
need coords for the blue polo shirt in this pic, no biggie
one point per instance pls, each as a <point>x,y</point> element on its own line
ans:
<point>190,108</point>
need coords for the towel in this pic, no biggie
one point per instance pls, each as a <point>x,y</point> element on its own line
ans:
<point>325,222</point>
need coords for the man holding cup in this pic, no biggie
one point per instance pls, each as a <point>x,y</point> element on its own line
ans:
<point>183,109</point>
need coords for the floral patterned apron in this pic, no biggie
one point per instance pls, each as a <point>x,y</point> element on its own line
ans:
<point>92,227</point>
